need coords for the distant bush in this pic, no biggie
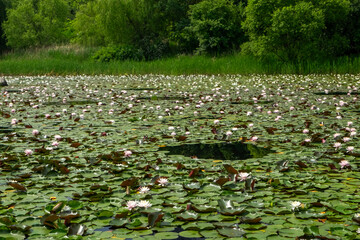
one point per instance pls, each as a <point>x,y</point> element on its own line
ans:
<point>118,53</point>
<point>296,30</point>
<point>216,25</point>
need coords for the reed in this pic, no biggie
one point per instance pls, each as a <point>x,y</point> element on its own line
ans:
<point>74,61</point>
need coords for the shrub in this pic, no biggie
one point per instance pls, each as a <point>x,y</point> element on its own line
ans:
<point>296,30</point>
<point>118,53</point>
<point>216,25</point>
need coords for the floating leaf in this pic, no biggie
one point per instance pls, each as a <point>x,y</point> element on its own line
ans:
<point>231,232</point>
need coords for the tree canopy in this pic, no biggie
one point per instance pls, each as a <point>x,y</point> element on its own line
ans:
<point>287,30</point>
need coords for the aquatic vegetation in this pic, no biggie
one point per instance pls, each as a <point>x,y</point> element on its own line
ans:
<point>164,157</point>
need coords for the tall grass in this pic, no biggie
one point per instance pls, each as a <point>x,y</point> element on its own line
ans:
<point>70,60</point>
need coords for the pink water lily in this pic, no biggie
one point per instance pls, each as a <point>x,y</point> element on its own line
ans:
<point>344,164</point>
<point>131,204</point>
<point>28,152</point>
<point>127,153</point>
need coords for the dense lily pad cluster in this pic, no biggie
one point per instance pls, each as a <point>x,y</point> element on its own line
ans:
<point>93,157</point>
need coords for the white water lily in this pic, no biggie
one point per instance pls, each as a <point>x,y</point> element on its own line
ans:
<point>163,181</point>
<point>295,205</point>
<point>144,204</point>
<point>144,190</point>
<point>243,176</point>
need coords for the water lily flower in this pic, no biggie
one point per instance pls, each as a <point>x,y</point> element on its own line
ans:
<point>163,181</point>
<point>254,138</point>
<point>277,118</point>
<point>349,123</point>
<point>216,121</point>
<point>47,115</point>
<point>144,190</point>
<point>13,110</point>
<point>346,139</point>
<point>127,153</point>
<point>55,144</point>
<point>292,108</point>
<point>14,121</point>
<point>251,125</point>
<point>350,149</point>
<point>173,134</point>
<point>337,135</point>
<point>187,133</point>
<point>248,113</point>
<point>307,140</point>
<point>337,145</point>
<point>295,205</point>
<point>144,204</point>
<point>229,133</point>
<point>352,134</point>
<point>35,132</point>
<point>243,176</point>
<point>171,128</point>
<point>306,131</point>
<point>28,152</point>
<point>131,204</point>
<point>57,137</point>
<point>344,163</point>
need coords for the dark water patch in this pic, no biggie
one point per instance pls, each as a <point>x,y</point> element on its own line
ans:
<point>336,93</point>
<point>160,98</point>
<point>252,102</point>
<point>221,151</point>
<point>84,102</point>
<point>12,90</point>
<point>138,89</point>
<point>6,130</point>
<point>103,229</point>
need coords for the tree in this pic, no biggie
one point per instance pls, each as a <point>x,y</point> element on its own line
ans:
<point>36,23</point>
<point>88,29</point>
<point>296,30</point>
<point>2,19</point>
<point>216,25</point>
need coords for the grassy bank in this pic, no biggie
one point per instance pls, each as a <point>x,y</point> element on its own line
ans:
<point>70,61</point>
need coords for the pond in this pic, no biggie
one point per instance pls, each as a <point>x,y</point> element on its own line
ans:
<point>180,157</point>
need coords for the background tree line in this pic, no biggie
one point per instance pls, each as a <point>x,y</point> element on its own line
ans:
<point>288,30</point>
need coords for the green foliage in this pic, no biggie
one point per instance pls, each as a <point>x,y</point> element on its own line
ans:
<point>119,53</point>
<point>216,25</point>
<point>87,26</point>
<point>36,23</point>
<point>352,28</point>
<point>125,22</point>
<point>296,30</point>
<point>2,19</point>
